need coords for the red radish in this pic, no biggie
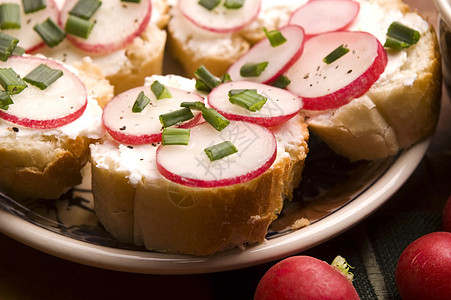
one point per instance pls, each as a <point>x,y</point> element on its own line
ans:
<point>220,19</point>
<point>423,269</point>
<point>279,58</point>
<point>189,165</point>
<point>304,277</point>
<point>446,217</point>
<point>29,39</point>
<point>318,17</point>
<point>62,102</point>
<point>281,105</point>
<point>128,19</point>
<point>325,86</point>
<point>144,127</point>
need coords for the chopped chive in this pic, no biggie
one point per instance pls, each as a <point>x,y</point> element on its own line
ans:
<point>140,103</point>
<point>201,86</point>
<point>275,37</point>
<point>7,46</point>
<point>50,32</point>
<point>43,76</point>
<point>11,81</point>
<point>281,82</point>
<point>253,69</point>
<point>335,54</point>
<point>160,91</point>
<point>220,150</point>
<point>30,6</point>
<point>212,116</point>
<point>176,117</point>
<point>78,26</point>
<point>209,4</point>
<point>226,78</point>
<point>233,4</point>
<point>9,16</point>
<point>18,51</point>
<point>85,9</point>
<point>175,136</point>
<point>248,99</point>
<point>401,36</point>
<point>131,1</point>
<point>5,100</point>
<point>209,80</point>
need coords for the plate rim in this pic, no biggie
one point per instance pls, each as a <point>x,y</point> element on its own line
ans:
<point>133,261</point>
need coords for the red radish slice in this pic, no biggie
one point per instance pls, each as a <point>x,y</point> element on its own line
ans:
<point>144,127</point>
<point>322,16</point>
<point>220,19</point>
<point>189,165</point>
<point>324,86</point>
<point>279,58</point>
<point>62,102</point>
<point>29,39</point>
<point>281,105</point>
<point>116,25</point>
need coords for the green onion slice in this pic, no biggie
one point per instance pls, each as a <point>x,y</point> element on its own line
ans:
<point>209,80</point>
<point>335,54</point>
<point>11,81</point>
<point>78,27</point>
<point>18,51</point>
<point>211,115</point>
<point>220,150</point>
<point>30,6</point>
<point>233,4</point>
<point>209,4</point>
<point>140,103</point>
<point>5,100</point>
<point>253,69</point>
<point>85,9</point>
<point>7,46</point>
<point>175,136</point>
<point>131,1</point>
<point>9,16</point>
<point>248,98</point>
<point>175,117</point>
<point>281,82</point>
<point>43,76</point>
<point>160,91</point>
<point>401,36</point>
<point>50,32</point>
<point>275,37</point>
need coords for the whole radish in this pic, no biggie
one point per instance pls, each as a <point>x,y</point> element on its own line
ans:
<point>306,277</point>
<point>423,270</point>
<point>446,217</point>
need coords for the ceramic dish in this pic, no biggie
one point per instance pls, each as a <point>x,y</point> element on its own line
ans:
<point>333,200</point>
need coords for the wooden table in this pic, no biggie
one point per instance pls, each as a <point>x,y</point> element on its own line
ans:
<point>26,273</point>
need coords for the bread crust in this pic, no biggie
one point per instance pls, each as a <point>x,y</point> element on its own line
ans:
<point>168,217</point>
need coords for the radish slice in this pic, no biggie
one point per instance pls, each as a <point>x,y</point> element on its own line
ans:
<point>324,86</point>
<point>281,105</point>
<point>220,19</point>
<point>279,58</point>
<point>189,165</point>
<point>62,102</point>
<point>128,127</point>
<point>29,39</point>
<point>324,16</point>
<point>116,25</point>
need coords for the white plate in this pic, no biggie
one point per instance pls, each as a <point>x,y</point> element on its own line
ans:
<point>78,238</point>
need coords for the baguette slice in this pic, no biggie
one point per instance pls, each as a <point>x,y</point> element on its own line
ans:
<point>47,163</point>
<point>137,205</point>
<point>127,68</point>
<point>400,109</point>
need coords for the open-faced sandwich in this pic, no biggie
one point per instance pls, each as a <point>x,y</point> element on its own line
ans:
<point>47,120</point>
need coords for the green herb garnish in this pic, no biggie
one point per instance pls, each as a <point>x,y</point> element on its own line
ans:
<point>220,150</point>
<point>336,54</point>
<point>30,6</point>
<point>209,4</point>
<point>78,27</point>
<point>400,36</point>
<point>50,32</point>
<point>233,4</point>
<point>175,117</point>
<point>275,37</point>
<point>160,91</point>
<point>281,82</point>
<point>7,46</point>
<point>11,81</point>
<point>211,115</point>
<point>140,103</point>
<point>43,76</point>
<point>248,98</point>
<point>9,16</point>
<point>5,100</point>
<point>85,9</point>
<point>253,69</point>
<point>175,136</point>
